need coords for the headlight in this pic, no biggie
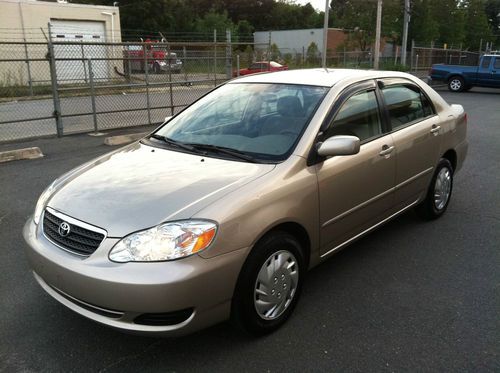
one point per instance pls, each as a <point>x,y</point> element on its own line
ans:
<point>165,242</point>
<point>42,201</point>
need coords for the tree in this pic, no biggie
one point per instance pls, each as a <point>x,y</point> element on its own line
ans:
<point>424,27</point>
<point>492,8</point>
<point>451,33</point>
<point>477,25</point>
<point>214,21</point>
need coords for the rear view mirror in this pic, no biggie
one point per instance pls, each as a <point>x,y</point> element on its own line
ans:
<point>339,145</point>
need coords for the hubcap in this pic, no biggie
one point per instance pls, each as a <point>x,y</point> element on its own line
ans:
<point>442,188</point>
<point>276,285</point>
<point>455,84</point>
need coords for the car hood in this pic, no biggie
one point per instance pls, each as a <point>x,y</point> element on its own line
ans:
<point>140,186</point>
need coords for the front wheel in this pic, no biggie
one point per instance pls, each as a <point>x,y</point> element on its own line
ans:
<point>456,84</point>
<point>439,192</point>
<point>269,284</point>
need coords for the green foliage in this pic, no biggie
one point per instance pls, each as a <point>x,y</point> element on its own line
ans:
<point>275,52</point>
<point>312,53</point>
<point>477,24</point>
<point>444,21</point>
<point>214,21</point>
<point>248,55</point>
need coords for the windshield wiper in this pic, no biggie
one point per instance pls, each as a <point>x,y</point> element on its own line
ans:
<point>174,143</point>
<point>221,149</point>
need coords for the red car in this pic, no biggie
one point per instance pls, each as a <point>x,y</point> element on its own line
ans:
<point>260,67</point>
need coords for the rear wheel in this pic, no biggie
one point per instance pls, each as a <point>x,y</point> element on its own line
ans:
<point>456,84</point>
<point>269,284</point>
<point>157,68</point>
<point>439,193</point>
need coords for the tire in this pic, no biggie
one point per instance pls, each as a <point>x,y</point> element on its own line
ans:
<point>456,84</point>
<point>256,308</point>
<point>157,69</point>
<point>433,206</point>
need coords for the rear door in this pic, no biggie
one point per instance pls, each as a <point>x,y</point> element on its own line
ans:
<point>495,73</point>
<point>484,75</point>
<point>355,191</point>
<point>416,134</point>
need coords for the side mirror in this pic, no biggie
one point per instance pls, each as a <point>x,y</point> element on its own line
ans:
<point>167,119</point>
<point>339,145</point>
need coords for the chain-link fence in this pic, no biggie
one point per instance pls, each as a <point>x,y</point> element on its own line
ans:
<point>422,58</point>
<point>69,87</point>
<point>63,87</point>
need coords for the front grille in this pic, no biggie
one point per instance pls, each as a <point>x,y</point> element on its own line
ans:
<point>80,240</point>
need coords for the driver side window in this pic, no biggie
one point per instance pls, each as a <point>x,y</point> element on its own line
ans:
<point>358,116</point>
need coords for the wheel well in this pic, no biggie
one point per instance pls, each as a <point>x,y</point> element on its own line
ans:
<point>452,157</point>
<point>455,76</point>
<point>299,232</point>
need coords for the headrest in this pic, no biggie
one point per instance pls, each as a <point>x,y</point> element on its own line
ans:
<point>290,106</point>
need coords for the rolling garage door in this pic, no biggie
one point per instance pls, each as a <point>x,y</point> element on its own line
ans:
<point>74,33</point>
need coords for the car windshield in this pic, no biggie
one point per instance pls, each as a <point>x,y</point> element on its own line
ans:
<point>263,121</point>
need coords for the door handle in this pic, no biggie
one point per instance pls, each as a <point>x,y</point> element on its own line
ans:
<point>386,151</point>
<point>435,129</point>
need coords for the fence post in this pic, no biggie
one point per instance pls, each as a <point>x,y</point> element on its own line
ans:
<point>84,65</point>
<point>30,81</point>
<point>92,93</point>
<point>146,78</point>
<point>215,57</point>
<point>269,53</point>
<point>237,65</point>
<point>229,62</point>
<point>53,81</point>
<point>412,53</point>
<point>416,63</point>
<point>169,62</point>
<point>184,64</point>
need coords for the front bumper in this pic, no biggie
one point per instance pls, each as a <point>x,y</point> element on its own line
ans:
<point>116,294</point>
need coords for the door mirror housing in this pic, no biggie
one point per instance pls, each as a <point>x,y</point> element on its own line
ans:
<point>338,145</point>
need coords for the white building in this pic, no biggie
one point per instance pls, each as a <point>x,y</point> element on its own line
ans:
<point>24,20</point>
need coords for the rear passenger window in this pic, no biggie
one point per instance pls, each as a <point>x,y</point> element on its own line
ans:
<point>486,62</point>
<point>406,104</point>
<point>358,116</point>
<point>497,63</point>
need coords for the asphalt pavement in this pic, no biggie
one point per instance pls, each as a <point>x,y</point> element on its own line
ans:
<point>411,296</point>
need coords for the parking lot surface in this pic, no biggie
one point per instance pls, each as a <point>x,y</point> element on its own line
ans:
<point>412,296</point>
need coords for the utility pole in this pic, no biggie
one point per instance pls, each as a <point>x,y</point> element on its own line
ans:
<point>325,33</point>
<point>377,35</point>
<point>406,21</point>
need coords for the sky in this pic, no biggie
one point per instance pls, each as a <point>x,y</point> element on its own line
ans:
<point>317,4</point>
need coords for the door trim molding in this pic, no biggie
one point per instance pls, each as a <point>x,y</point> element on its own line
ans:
<point>338,247</point>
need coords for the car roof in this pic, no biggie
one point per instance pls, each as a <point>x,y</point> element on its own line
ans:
<point>316,77</point>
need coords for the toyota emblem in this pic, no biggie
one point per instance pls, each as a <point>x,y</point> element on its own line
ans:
<point>64,229</point>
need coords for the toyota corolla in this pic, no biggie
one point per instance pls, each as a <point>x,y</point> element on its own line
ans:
<point>219,213</point>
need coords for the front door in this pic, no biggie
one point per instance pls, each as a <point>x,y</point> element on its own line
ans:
<point>355,191</point>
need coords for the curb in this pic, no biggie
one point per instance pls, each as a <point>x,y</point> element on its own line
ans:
<point>18,154</point>
<point>124,139</point>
